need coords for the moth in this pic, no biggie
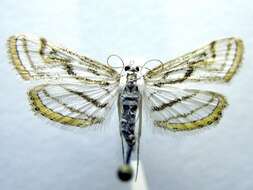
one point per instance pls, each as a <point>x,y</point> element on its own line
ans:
<point>80,92</point>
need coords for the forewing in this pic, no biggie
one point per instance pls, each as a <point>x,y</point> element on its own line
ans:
<point>39,59</point>
<point>187,109</point>
<point>73,104</point>
<point>215,62</point>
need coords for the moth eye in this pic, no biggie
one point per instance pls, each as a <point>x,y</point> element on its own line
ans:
<point>137,68</point>
<point>127,68</point>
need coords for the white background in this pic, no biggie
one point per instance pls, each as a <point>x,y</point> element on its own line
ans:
<point>36,155</point>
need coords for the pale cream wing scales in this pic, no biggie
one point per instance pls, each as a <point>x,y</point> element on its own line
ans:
<point>178,109</point>
<point>217,61</point>
<point>39,59</point>
<point>73,104</point>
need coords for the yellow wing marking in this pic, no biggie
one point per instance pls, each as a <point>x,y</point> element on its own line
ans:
<point>237,60</point>
<point>15,59</point>
<point>208,120</point>
<point>39,107</point>
<point>215,62</point>
<point>39,59</point>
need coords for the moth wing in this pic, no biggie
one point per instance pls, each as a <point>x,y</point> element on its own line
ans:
<point>216,62</point>
<point>73,104</point>
<point>36,58</point>
<point>183,109</point>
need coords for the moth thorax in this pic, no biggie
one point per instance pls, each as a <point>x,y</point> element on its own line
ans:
<point>131,77</point>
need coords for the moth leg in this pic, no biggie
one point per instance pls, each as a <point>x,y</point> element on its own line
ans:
<point>139,135</point>
<point>120,132</point>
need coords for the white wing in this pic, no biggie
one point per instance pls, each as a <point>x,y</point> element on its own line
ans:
<point>73,104</point>
<point>178,109</point>
<point>85,89</point>
<point>40,59</point>
<point>215,62</point>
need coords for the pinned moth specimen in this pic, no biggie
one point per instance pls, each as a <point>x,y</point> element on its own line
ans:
<point>78,91</point>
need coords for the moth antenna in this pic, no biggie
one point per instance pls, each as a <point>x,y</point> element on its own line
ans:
<point>158,60</point>
<point>117,56</point>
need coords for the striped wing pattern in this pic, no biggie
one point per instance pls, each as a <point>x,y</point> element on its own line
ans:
<point>78,91</point>
<point>183,109</point>
<point>39,59</point>
<point>73,104</point>
<point>81,91</point>
<point>215,62</point>
<point>177,109</point>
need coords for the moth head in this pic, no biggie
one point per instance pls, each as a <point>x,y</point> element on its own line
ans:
<point>131,72</point>
<point>132,69</point>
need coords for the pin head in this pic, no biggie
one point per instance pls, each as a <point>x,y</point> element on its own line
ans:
<point>125,172</point>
